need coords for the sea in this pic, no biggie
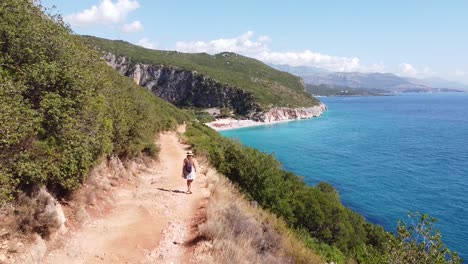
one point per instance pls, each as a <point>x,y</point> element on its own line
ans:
<point>386,155</point>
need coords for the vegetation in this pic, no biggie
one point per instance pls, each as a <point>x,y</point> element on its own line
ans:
<point>321,220</point>
<point>242,233</point>
<point>419,242</point>
<point>201,115</point>
<point>270,87</point>
<point>33,216</point>
<point>62,108</point>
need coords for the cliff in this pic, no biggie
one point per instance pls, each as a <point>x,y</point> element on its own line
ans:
<point>267,87</point>
<point>285,113</point>
<point>186,88</point>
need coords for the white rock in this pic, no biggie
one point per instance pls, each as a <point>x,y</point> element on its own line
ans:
<point>55,208</point>
<point>36,252</point>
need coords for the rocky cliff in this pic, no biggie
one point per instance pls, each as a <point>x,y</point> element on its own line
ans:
<point>186,88</point>
<point>284,113</point>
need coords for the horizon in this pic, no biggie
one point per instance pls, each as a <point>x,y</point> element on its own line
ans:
<point>337,36</point>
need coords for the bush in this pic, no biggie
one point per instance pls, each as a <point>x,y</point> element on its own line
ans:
<point>419,242</point>
<point>35,215</point>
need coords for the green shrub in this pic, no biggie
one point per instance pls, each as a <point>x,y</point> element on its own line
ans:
<point>419,242</point>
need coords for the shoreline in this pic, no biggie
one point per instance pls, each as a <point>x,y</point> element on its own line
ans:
<point>273,116</point>
<point>231,123</point>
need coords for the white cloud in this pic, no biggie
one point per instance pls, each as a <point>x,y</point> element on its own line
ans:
<point>106,13</point>
<point>241,44</point>
<point>459,72</point>
<point>310,58</point>
<point>146,43</point>
<point>247,44</point>
<point>133,27</point>
<point>407,69</point>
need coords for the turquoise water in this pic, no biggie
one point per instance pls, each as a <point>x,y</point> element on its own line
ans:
<point>387,156</point>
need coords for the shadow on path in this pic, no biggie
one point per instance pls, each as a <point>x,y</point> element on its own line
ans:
<point>174,191</point>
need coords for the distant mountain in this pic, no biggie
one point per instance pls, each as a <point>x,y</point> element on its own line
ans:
<point>370,82</point>
<point>438,83</point>
<point>385,81</point>
<point>327,90</point>
<point>298,70</point>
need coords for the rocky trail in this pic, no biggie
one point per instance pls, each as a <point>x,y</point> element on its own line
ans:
<point>148,223</point>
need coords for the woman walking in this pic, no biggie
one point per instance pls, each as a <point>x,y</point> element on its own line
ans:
<point>188,170</point>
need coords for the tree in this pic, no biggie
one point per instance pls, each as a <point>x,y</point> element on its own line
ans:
<point>418,242</point>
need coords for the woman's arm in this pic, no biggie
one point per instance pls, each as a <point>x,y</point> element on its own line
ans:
<point>183,167</point>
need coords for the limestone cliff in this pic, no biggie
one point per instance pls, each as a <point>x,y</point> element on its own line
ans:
<point>284,113</point>
<point>186,88</point>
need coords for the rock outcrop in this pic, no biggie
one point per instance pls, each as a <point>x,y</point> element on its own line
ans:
<point>284,113</point>
<point>184,87</point>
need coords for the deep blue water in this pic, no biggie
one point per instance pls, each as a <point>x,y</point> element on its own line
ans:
<point>387,156</point>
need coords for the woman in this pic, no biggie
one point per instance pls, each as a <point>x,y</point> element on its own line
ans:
<point>188,170</point>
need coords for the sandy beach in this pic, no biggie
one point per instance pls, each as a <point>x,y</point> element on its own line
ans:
<point>231,123</point>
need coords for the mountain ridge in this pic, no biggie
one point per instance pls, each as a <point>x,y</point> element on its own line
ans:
<point>374,81</point>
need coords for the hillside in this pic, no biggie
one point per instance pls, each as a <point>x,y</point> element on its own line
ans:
<point>223,80</point>
<point>62,108</point>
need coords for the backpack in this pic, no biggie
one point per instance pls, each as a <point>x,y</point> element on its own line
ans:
<point>188,166</point>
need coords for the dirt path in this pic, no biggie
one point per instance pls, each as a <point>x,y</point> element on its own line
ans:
<point>148,224</point>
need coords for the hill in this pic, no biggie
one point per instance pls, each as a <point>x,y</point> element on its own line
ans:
<point>226,79</point>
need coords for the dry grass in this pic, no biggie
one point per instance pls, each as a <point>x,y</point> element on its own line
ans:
<point>239,233</point>
<point>33,214</point>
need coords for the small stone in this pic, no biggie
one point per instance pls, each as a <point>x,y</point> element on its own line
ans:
<point>13,248</point>
<point>3,258</point>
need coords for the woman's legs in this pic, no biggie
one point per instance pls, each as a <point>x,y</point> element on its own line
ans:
<point>189,185</point>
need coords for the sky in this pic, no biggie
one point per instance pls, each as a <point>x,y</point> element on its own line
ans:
<point>410,38</point>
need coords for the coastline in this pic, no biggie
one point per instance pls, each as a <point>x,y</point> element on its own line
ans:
<point>274,116</point>
<point>231,123</point>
